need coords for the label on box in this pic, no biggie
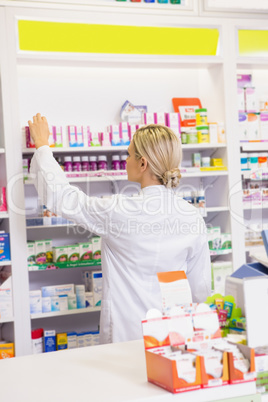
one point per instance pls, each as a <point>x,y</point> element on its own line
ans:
<point>215,382</point>
<point>250,376</point>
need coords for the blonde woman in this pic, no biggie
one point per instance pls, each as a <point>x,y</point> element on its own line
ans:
<point>153,232</point>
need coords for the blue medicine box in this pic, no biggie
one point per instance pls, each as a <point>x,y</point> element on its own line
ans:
<point>234,283</point>
<point>4,247</point>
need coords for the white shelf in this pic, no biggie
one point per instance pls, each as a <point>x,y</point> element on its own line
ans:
<point>254,207</point>
<point>217,209</point>
<point>51,226</point>
<point>252,62</point>
<point>124,177</point>
<point>254,146</point>
<point>117,60</point>
<point>2,151</point>
<point>66,312</point>
<point>89,179</point>
<point>4,263</point>
<point>205,174</point>
<point>119,148</point>
<point>4,215</point>
<point>80,149</point>
<point>203,146</point>
<point>254,249</point>
<point>8,319</point>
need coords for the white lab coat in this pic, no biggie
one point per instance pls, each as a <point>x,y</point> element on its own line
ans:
<point>141,235</point>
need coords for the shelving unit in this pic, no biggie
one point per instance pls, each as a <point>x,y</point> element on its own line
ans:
<point>212,78</point>
<point>255,214</point>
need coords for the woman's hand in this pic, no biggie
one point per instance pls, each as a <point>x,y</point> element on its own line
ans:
<point>39,130</point>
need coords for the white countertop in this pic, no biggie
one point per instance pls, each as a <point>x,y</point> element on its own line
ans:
<point>106,373</point>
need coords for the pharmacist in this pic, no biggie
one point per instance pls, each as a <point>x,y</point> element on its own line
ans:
<point>153,232</point>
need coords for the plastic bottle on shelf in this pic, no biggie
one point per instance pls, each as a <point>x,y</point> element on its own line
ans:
<point>68,166</point>
<point>244,161</point>
<point>85,164</point>
<point>187,196</point>
<point>115,162</point>
<point>262,160</point>
<point>102,162</point>
<point>77,164</point>
<point>253,161</point>
<point>123,163</point>
<point>59,160</point>
<point>205,161</point>
<point>93,163</point>
<point>37,340</point>
<point>200,199</point>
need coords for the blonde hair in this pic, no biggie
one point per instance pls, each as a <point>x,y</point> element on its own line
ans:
<point>162,150</point>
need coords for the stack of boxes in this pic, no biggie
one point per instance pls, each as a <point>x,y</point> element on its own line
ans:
<point>68,296</point>
<point>42,252</point>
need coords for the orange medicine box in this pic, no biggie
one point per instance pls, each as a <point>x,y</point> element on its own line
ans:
<point>237,376</point>
<point>6,350</point>
<point>208,380</point>
<point>162,371</point>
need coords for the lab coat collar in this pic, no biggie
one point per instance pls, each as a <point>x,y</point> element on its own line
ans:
<point>157,189</point>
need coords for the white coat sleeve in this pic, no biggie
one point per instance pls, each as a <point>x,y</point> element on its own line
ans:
<point>199,271</point>
<point>54,190</point>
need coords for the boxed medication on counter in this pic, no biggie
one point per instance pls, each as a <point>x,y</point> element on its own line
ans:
<point>184,349</point>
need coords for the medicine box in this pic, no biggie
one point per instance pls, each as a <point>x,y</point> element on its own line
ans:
<point>62,341</point>
<point>48,291</point>
<point>4,247</point>
<point>95,285</point>
<point>63,302</point>
<point>72,340</point>
<point>35,302</point>
<point>96,248</point>
<point>81,340</point>
<point>72,136</point>
<point>236,376</point>
<point>85,251</point>
<point>60,254</point>
<point>6,350</point>
<point>30,252</point>
<point>46,304</point>
<point>6,306</point>
<point>49,250</point>
<point>50,341</point>
<point>40,252</point>
<point>73,253</point>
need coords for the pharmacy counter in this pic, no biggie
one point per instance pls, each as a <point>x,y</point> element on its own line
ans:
<point>113,373</point>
